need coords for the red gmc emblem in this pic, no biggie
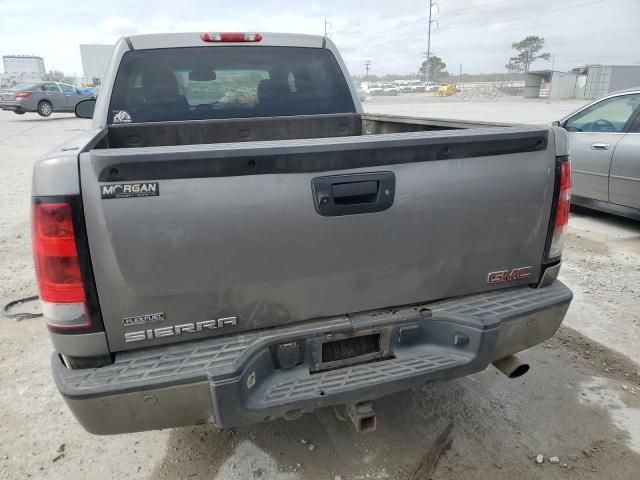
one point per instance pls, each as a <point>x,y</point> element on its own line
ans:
<point>509,275</point>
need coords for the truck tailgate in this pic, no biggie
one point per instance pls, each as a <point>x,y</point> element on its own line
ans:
<point>234,230</point>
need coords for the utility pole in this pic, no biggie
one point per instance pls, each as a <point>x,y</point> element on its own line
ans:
<point>430,8</point>
<point>367,65</point>
<point>327,23</point>
<point>460,75</point>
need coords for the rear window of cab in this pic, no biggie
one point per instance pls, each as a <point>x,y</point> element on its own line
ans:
<point>227,82</point>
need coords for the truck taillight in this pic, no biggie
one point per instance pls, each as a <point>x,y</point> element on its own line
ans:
<point>230,37</point>
<point>562,210</point>
<point>23,94</point>
<point>58,273</point>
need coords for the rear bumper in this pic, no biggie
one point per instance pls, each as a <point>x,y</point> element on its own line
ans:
<point>232,381</point>
<point>12,106</point>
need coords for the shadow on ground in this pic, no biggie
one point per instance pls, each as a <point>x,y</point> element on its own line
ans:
<point>499,427</point>
<point>34,117</point>
<point>614,221</point>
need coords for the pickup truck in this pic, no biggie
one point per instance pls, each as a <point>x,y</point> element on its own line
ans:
<point>234,241</point>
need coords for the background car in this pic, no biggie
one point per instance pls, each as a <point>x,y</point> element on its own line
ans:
<point>431,86</point>
<point>446,90</point>
<point>604,140</point>
<point>390,89</point>
<point>44,98</point>
<point>361,94</point>
<point>405,87</point>
<point>86,91</point>
<point>375,89</point>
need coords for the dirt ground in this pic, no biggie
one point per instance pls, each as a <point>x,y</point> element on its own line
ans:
<point>498,110</point>
<point>580,402</point>
<point>499,427</point>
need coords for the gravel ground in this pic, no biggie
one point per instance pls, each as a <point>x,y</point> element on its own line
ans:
<point>580,402</point>
<point>602,266</point>
<point>517,110</point>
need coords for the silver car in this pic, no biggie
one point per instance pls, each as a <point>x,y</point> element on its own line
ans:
<point>44,98</point>
<point>604,140</point>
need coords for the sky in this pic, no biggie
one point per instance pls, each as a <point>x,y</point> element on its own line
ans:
<point>474,34</point>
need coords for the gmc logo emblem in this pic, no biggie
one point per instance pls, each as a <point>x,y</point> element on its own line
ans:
<point>509,275</point>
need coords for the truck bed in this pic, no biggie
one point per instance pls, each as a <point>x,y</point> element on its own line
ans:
<point>271,128</point>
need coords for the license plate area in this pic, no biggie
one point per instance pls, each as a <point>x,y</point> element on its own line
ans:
<point>344,349</point>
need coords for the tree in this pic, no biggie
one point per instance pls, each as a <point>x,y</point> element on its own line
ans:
<point>528,52</point>
<point>54,76</point>
<point>58,76</point>
<point>436,67</point>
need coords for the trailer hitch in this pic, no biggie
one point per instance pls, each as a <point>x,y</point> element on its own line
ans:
<point>362,416</point>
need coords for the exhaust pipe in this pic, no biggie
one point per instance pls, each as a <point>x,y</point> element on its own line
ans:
<point>512,366</point>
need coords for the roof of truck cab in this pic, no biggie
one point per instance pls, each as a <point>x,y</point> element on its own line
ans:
<point>192,39</point>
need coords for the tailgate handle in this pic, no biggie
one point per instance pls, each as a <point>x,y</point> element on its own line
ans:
<point>339,195</point>
<point>353,193</point>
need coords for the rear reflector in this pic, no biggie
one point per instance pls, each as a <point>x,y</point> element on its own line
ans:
<point>65,315</point>
<point>230,37</point>
<point>562,211</point>
<point>58,271</point>
<point>23,94</point>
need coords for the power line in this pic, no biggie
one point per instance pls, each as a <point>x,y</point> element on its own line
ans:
<point>367,65</point>
<point>412,8</point>
<point>455,27</point>
<point>385,18</point>
<point>484,5</point>
<point>378,32</point>
<point>561,59</point>
<point>429,23</point>
<point>550,40</point>
<point>327,23</point>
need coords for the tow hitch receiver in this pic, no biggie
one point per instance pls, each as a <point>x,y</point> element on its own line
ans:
<point>363,416</point>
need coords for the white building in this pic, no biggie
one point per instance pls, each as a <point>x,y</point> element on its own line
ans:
<point>603,79</point>
<point>95,59</point>
<point>588,82</point>
<point>23,68</point>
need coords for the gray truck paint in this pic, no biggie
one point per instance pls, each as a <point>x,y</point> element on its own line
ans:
<point>83,345</point>
<point>561,141</point>
<point>407,254</point>
<point>101,112</point>
<point>220,241</point>
<point>206,381</point>
<point>56,173</point>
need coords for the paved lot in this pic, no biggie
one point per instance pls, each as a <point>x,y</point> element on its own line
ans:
<point>517,110</point>
<point>580,401</point>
